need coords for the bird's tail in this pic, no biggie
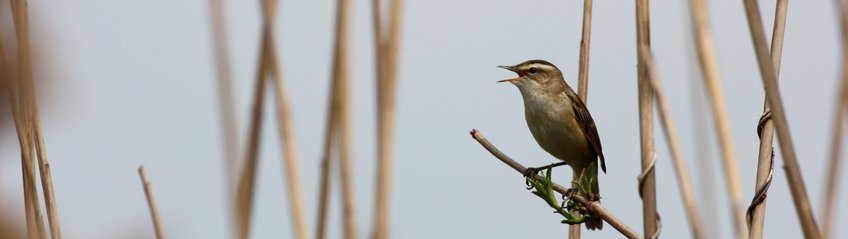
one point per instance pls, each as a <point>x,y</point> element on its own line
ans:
<point>595,222</point>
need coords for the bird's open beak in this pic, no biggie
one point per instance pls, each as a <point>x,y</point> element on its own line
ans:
<point>512,80</point>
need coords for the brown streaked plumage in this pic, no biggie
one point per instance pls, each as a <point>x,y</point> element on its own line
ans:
<point>559,121</point>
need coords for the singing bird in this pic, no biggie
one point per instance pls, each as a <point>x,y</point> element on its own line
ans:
<point>560,122</point>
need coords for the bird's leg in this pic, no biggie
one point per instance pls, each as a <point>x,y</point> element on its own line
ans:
<point>533,171</point>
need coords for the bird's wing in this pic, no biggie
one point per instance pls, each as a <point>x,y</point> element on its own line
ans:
<point>587,125</point>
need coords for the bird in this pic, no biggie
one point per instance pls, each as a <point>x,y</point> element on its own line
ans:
<point>560,122</point>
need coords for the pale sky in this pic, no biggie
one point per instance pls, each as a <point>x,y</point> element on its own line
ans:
<point>132,82</point>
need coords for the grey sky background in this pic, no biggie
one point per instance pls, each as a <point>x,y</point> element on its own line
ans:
<point>132,82</point>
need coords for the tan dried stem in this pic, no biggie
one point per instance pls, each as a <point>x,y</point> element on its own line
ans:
<point>833,169</point>
<point>769,77</point>
<point>388,51</point>
<point>593,206</point>
<point>338,125</point>
<point>583,77</point>
<point>709,69</point>
<point>757,211</point>
<point>583,70</point>
<point>341,73</point>
<point>647,184</point>
<point>151,203</point>
<point>225,93</point>
<point>290,159</point>
<point>680,168</point>
<point>32,120</point>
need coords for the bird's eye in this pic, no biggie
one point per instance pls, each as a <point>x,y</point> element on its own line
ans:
<point>532,70</point>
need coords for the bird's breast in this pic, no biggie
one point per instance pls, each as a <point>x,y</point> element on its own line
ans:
<point>555,128</point>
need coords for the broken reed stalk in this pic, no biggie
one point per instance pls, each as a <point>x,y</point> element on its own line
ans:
<point>769,77</point>
<point>765,167</point>
<point>709,69</point>
<point>593,206</point>
<point>833,169</point>
<point>27,92</point>
<point>647,183</point>
<point>583,78</point>
<point>225,93</point>
<point>388,49</point>
<point>680,168</point>
<point>151,203</point>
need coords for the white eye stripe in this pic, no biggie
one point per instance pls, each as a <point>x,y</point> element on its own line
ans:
<point>540,66</point>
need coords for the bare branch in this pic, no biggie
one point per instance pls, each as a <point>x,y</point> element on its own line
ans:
<point>592,206</point>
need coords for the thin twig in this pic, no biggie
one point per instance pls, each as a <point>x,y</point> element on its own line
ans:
<point>225,93</point>
<point>833,172</point>
<point>670,130</point>
<point>765,168</point>
<point>151,203</point>
<point>709,68</point>
<point>647,184</point>
<point>769,77</point>
<point>593,206</point>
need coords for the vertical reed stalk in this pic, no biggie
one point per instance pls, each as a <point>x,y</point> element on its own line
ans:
<point>680,168</point>
<point>388,49</point>
<point>34,132</point>
<point>833,169</point>
<point>769,77</point>
<point>338,126</point>
<point>709,68</point>
<point>765,160</point>
<point>225,93</point>
<point>151,203</point>
<point>583,73</point>
<point>583,78</point>
<point>341,75</point>
<point>647,184</point>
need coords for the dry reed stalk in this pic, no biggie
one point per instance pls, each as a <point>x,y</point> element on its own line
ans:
<point>290,150</point>
<point>593,206</point>
<point>225,94</point>
<point>27,93</point>
<point>151,203</point>
<point>583,77</point>
<point>583,70</point>
<point>709,68</point>
<point>388,49</point>
<point>341,73</point>
<point>647,182</point>
<point>338,126</point>
<point>793,172</point>
<point>833,172</point>
<point>244,193</point>
<point>32,209</point>
<point>765,165</point>
<point>681,170</point>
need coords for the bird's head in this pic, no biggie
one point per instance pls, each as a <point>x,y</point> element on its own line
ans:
<point>534,74</point>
